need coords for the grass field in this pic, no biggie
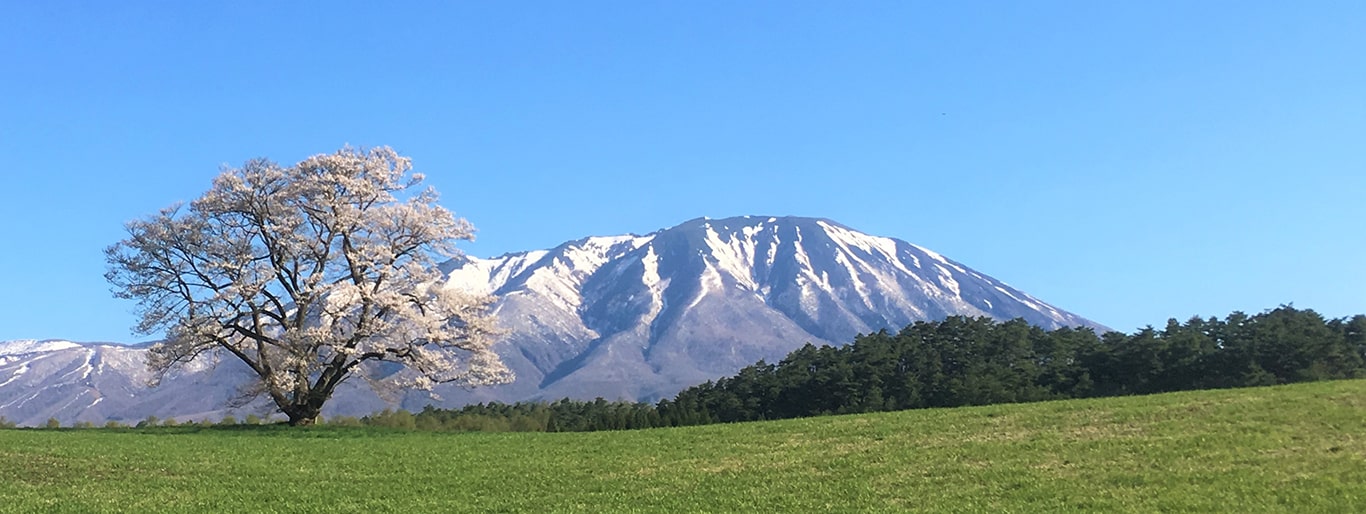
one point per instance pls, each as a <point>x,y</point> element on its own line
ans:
<point>1299,448</point>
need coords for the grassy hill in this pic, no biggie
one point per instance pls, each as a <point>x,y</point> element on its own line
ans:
<point>1299,448</point>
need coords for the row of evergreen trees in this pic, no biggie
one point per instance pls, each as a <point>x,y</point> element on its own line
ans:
<point>562,416</point>
<point>963,361</point>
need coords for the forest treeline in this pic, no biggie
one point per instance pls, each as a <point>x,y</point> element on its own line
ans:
<point>961,361</point>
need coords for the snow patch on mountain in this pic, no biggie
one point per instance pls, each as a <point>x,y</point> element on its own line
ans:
<point>14,375</point>
<point>487,275</point>
<point>735,256</point>
<point>27,346</point>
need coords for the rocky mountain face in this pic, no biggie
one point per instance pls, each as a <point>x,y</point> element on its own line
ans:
<point>625,317</point>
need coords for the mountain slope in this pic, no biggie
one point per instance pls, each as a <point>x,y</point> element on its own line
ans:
<point>640,317</point>
<point>625,317</point>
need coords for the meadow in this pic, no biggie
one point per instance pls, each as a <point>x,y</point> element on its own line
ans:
<point>1296,448</point>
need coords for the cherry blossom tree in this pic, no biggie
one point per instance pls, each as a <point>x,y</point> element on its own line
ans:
<point>310,274</point>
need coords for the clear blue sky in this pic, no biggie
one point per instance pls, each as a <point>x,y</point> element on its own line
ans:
<point>1127,161</point>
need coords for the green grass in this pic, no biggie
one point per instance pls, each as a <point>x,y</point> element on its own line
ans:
<point>1299,448</point>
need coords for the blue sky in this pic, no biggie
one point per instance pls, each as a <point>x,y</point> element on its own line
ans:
<point>1127,161</point>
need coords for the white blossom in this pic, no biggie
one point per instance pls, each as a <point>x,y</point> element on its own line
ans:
<point>307,273</point>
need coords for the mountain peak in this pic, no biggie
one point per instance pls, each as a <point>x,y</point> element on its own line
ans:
<point>753,220</point>
<point>701,299</point>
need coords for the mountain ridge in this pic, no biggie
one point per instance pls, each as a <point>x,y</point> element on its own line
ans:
<point>621,295</point>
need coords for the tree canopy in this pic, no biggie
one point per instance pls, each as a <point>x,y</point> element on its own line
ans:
<point>309,274</point>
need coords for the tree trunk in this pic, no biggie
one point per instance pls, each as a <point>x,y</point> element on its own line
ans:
<point>302,415</point>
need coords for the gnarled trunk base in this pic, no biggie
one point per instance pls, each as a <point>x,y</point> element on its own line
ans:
<point>302,415</point>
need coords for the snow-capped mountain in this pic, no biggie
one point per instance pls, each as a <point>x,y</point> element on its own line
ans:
<point>642,317</point>
<point>623,317</point>
<point>97,382</point>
